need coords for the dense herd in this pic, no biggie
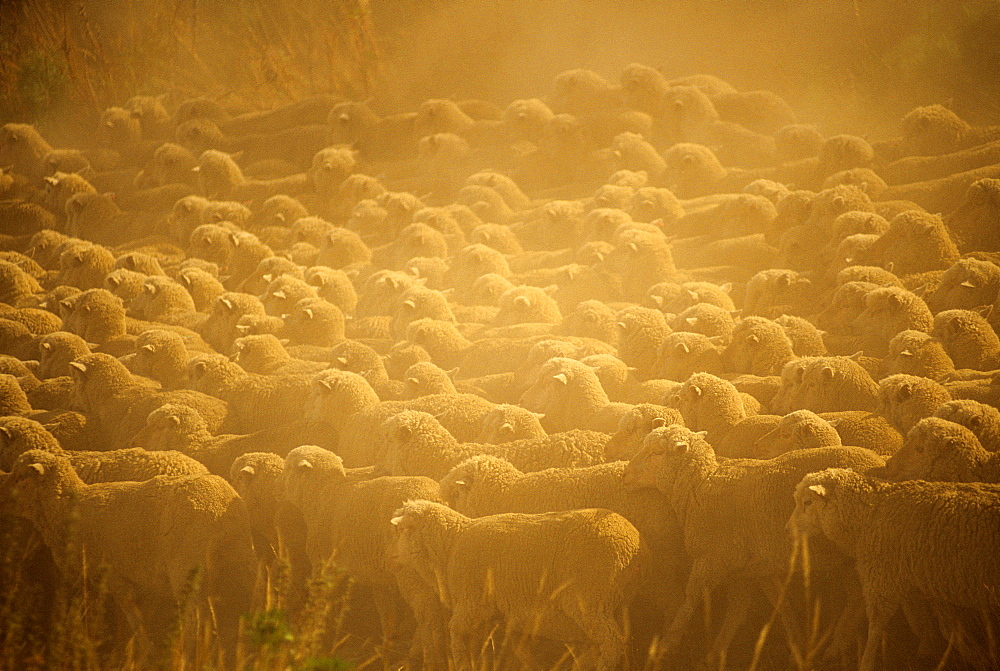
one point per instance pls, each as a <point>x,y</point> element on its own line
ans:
<point>644,370</point>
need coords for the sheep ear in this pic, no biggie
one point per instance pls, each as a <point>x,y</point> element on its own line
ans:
<point>174,419</point>
<point>278,294</point>
<point>984,310</point>
<point>410,303</point>
<point>248,470</point>
<point>396,520</point>
<point>79,366</point>
<point>326,384</point>
<point>753,338</point>
<point>692,321</point>
<point>412,380</point>
<point>819,489</point>
<point>696,390</point>
<point>5,433</point>
<point>45,346</point>
<point>39,468</point>
<point>657,300</point>
<point>200,367</point>
<point>149,348</point>
<point>113,281</point>
<point>404,433</point>
<point>904,392</point>
<point>683,348</point>
<point>561,377</point>
<point>783,281</point>
<point>701,434</point>
<point>727,288</point>
<point>857,355</point>
<point>461,483</point>
<point>308,313</point>
<point>228,303</point>
<point>539,415</point>
<point>658,422</point>
<point>827,373</point>
<point>304,464</point>
<point>681,446</point>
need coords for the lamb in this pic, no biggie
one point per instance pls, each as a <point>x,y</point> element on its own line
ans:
<point>417,444</point>
<point>347,521</point>
<point>937,450</point>
<point>191,523</point>
<point>506,423</point>
<point>891,530</point>
<point>983,420</point>
<point>219,330</point>
<point>488,485</point>
<point>905,399</point>
<point>799,430</point>
<point>570,396</point>
<point>771,293</point>
<point>733,513</point>
<point>973,222</point>
<point>459,557</point>
<point>418,302</point>
<point>173,427</point>
<point>968,338</point>
<point>84,266</point>
<point>56,350</point>
<point>20,434</point>
<point>333,286</point>
<point>527,304</point>
<point>359,358</point>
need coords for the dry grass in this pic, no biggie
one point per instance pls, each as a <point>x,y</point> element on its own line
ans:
<point>85,55</point>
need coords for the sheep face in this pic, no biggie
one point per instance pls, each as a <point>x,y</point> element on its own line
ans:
<point>662,450</point>
<point>35,475</point>
<point>937,450</point>
<point>811,501</point>
<point>170,427</point>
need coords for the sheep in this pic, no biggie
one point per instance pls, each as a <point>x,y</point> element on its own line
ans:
<point>347,521</point>
<point>105,390</point>
<point>983,420</point>
<point>173,427</point>
<point>865,429</point>
<point>733,513</point>
<point>641,259</point>
<point>527,304</point>
<point>481,567</point>
<point>711,404</point>
<point>968,338</point>
<point>799,430</point>
<point>683,353</point>
<point>759,347</point>
<point>506,423</point>
<point>266,355</point>
<point>20,434</point>
<point>943,194</point>
<point>570,395</point>
<point>219,330</point>
<point>333,286</point>
<point>966,285</point>
<point>255,401</point>
<point>973,222</point>
<point>191,523</point>
<point>418,302</point>
<point>488,485</point>
<point>417,444</point>
<point>161,356</point>
<point>771,293</point>
<point>346,401</point>
<point>641,333</point>
<point>84,266</point>
<point>591,319</point>
<point>888,311</point>
<point>919,168</point>
<point>915,242</point>
<point>905,399</point>
<point>893,531</point>
<point>825,384</point>
<point>358,358</point>
<point>937,450</point>
<point>917,353</point>
<point>314,321</point>
<point>203,287</point>
<point>423,378</point>
<point>675,298</point>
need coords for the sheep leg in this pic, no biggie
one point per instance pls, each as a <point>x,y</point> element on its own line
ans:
<point>390,614</point>
<point>607,634</point>
<point>465,622</point>
<point>879,611</point>
<point>705,576</point>
<point>737,605</point>
<point>429,640</point>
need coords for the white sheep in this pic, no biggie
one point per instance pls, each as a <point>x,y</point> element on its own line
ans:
<point>189,524</point>
<point>567,575</point>
<point>935,540</point>
<point>733,512</point>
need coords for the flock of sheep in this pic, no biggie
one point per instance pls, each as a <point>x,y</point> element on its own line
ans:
<point>642,371</point>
